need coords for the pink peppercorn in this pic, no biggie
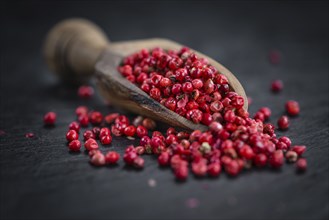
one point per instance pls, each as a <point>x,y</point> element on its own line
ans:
<point>91,144</point>
<point>83,120</point>
<point>214,169</point>
<point>129,157</point>
<point>95,117</point>
<point>112,157</point>
<point>299,149</point>
<point>49,118</point>
<point>105,140</point>
<point>181,172</point>
<point>85,91</point>
<point>74,126</point>
<point>98,159</point>
<point>292,108</point>
<point>277,86</point>
<point>276,160</point>
<point>260,160</point>
<point>88,134</point>
<point>81,110</point>
<point>138,162</point>
<point>232,168</point>
<point>72,135</point>
<point>301,164</point>
<point>130,130</point>
<point>283,122</point>
<point>75,145</point>
<point>163,159</point>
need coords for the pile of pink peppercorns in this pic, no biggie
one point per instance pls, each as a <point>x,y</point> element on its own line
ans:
<point>193,88</point>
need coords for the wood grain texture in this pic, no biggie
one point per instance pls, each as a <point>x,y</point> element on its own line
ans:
<point>40,179</point>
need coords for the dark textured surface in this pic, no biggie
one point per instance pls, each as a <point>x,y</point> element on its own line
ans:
<point>40,179</point>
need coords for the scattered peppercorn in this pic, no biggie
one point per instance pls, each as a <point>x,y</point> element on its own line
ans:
<point>194,89</point>
<point>292,108</point>
<point>49,118</point>
<point>85,91</point>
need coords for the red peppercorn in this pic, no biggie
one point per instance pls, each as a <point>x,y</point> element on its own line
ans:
<point>104,132</point>
<point>276,160</point>
<point>214,169</point>
<point>207,118</point>
<point>165,82</point>
<point>181,172</point>
<point>81,110</point>
<point>155,93</point>
<point>199,169</point>
<point>292,108</point>
<point>91,144</point>
<point>163,159</point>
<point>49,118</point>
<point>247,152</point>
<point>72,135</point>
<point>301,164</point>
<point>130,157</point>
<point>181,74</point>
<point>260,160</point>
<point>95,117</point>
<point>149,124</point>
<point>299,149</point>
<point>266,112</point>
<point>285,140</point>
<point>98,159</point>
<point>75,145</point>
<point>111,117</point>
<point>170,103</point>
<point>141,131</point>
<point>88,134</point>
<point>232,168</point>
<point>93,152</point>
<point>194,115</point>
<point>74,126</point>
<point>283,122</point>
<point>138,162</point>
<point>105,140</point>
<point>187,87</point>
<point>85,91</point>
<point>83,120</point>
<point>130,130</point>
<point>237,101</point>
<point>277,86</point>
<point>112,157</point>
<point>175,63</point>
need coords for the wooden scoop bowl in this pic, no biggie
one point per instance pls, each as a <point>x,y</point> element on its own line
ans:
<point>76,49</point>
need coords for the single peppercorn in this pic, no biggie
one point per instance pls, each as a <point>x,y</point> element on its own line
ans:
<point>85,91</point>
<point>72,135</point>
<point>105,140</point>
<point>292,108</point>
<point>98,159</point>
<point>74,126</point>
<point>276,86</point>
<point>75,145</point>
<point>91,144</point>
<point>112,157</point>
<point>49,118</point>
<point>283,122</point>
<point>301,165</point>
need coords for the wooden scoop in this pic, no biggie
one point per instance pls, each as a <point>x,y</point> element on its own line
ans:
<point>76,49</point>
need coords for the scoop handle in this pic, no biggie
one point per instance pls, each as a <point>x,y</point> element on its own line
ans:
<point>72,48</point>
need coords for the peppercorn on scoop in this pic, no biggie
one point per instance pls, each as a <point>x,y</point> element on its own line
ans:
<point>76,49</point>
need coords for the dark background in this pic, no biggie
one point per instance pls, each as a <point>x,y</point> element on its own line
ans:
<point>40,179</point>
